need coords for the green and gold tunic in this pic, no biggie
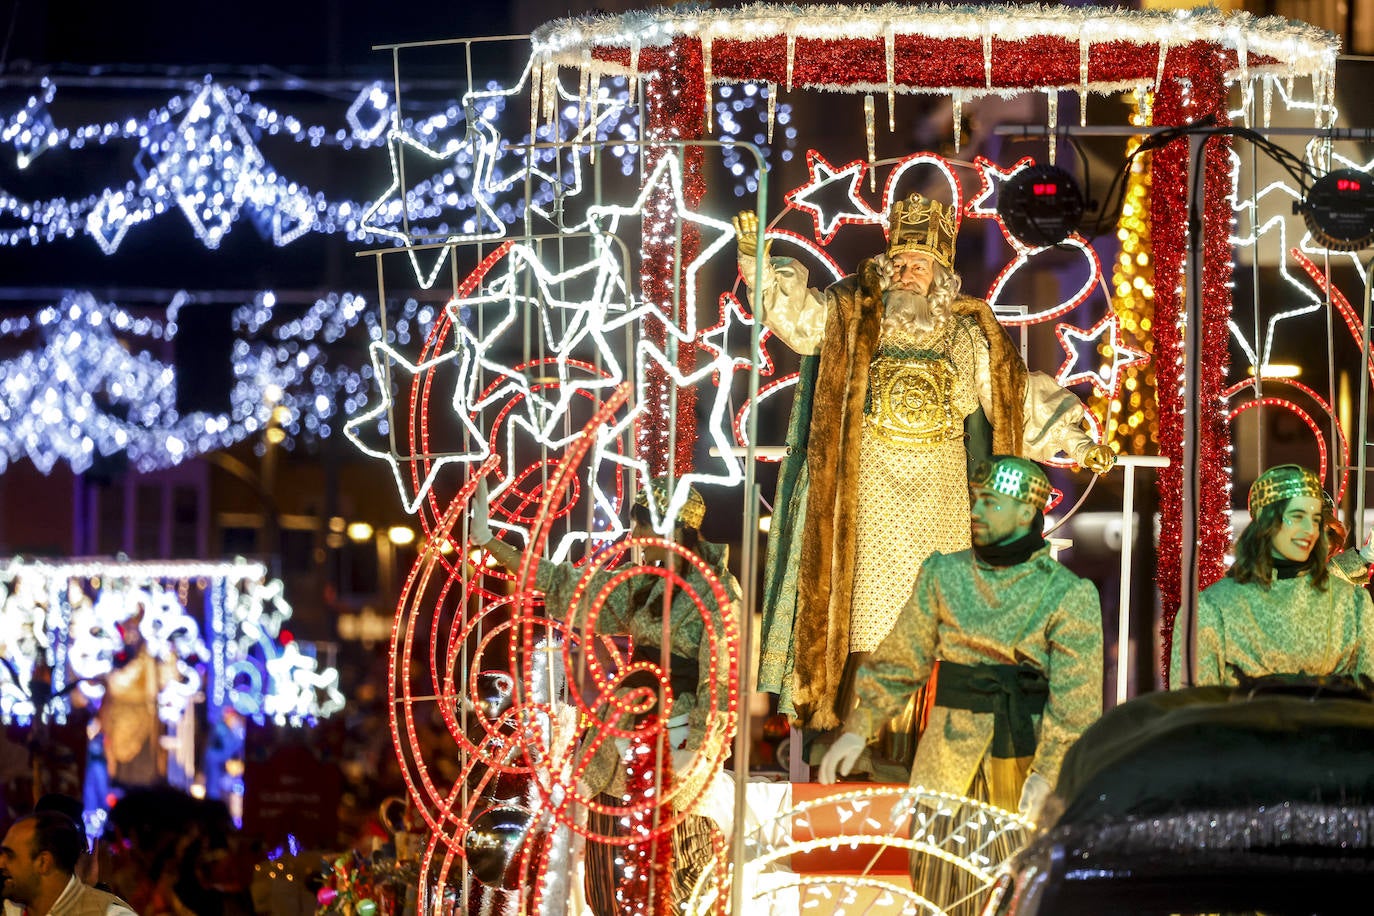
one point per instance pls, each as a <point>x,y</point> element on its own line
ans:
<point>1036,614</point>
<point>1287,627</point>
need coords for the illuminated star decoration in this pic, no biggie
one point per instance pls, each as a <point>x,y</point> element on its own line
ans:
<point>823,176</point>
<point>588,323</point>
<point>991,176</point>
<point>716,339</point>
<point>600,110</point>
<point>380,420</point>
<point>1105,377</point>
<point>717,424</point>
<point>394,202</point>
<point>298,684</point>
<point>716,235</point>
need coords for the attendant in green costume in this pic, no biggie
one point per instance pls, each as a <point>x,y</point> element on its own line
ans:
<point>1279,611</point>
<point>1019,641</point>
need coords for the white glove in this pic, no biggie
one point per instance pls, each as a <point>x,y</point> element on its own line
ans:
<point>1367,549</point>
<point>841,757</point>
<point>682,759</point>
<point>1033,795</point>
<point>479,521</point>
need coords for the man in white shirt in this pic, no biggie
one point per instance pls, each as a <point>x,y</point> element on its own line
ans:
<point>37,863</point>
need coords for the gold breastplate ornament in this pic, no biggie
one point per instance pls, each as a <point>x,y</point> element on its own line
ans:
<point>911,401</point>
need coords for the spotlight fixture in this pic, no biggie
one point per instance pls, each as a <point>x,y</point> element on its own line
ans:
<point>1339,210</point>
<point>1041,205</point>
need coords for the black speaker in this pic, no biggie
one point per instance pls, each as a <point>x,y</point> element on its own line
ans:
<point>203,354</point>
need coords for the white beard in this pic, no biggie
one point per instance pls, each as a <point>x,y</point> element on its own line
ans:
<point>910,311</point>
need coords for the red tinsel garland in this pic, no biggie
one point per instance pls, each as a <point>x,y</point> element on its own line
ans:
<point>647,887</point>
<point>920,61</point>
<point>675,109</point>
<point>1194,88</point>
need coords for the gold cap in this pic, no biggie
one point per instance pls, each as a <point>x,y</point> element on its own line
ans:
<point>693,511</point>
<point>1019,478</point>
<point>1284,481</point>
<point>920,224</point>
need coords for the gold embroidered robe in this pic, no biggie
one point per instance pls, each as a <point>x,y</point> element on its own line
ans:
<point>870,510</point>
<point>1288,627</point>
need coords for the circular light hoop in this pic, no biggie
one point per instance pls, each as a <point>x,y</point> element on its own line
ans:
<point>1339,210</point>
<point>1041,205</point>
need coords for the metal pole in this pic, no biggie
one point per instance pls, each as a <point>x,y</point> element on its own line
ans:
<point>1192,361</point>
<point>1360,462</point>
<point>1128,535</point>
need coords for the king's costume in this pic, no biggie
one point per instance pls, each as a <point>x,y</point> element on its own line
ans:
<point>877,469</point>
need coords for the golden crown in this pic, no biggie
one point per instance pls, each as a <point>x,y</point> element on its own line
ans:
<point>923,225</point>
<point>1019,478</point>
<point>693,511</point>
<point>1284,481</point>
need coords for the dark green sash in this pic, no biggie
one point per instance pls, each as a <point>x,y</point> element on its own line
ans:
<point>1014,694</point>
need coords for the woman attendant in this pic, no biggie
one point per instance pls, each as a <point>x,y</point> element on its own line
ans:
<point>1279,611</point>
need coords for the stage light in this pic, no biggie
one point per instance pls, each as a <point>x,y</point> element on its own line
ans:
<point>1041,205</point>
<point>1339,210</point>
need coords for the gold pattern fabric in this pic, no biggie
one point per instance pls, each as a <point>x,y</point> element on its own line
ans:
<point>913,495</point>
<point>924,226</point>
<point>1284,481</point>
<point>963,610</point>
<point>1288,627</point>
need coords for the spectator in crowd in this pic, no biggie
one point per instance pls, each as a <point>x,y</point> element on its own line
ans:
<point>38,859</point>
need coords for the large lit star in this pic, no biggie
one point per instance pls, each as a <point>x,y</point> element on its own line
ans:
<point>393,205</point>
<point>364,429</point>
<point>716,235</point>
<point>716,426</point>
<point>823,176</point>
<point>1078,343</point>
<point>579,339</point>
<point>556,187</point>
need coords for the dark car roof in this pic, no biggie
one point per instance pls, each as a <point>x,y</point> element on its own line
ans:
<point>1212,800</point>
<point>1218,748</point>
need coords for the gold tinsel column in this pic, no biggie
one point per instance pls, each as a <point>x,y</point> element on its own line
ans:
<point>1132,424</point>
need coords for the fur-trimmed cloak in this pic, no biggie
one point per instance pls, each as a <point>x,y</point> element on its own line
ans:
<point>825,571</point>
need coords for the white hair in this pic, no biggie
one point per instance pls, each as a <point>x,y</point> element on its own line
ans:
<point>913,312</point>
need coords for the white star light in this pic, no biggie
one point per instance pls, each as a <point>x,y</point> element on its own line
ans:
<point>297,684</point>
<point>589,323</point>
<point>382,353</point>
<point>716,236</point>
<point>559,187</point>
<point>394,201</point>
<point>717,426</point>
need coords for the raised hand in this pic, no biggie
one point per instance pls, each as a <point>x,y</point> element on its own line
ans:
<point>746,234</point>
